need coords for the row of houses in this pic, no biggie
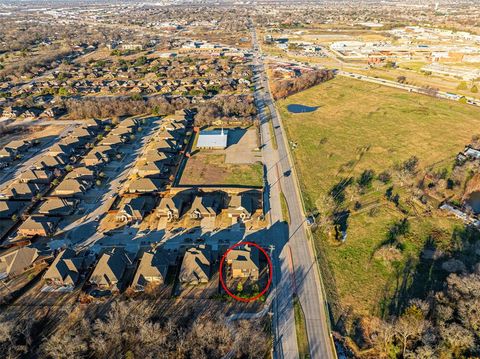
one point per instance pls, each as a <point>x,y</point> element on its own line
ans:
<point>36,181</point>
<point>110,271</point>
<point>36,178</point>
<point>202,75</point>
<point>201,85</point>
<point>79,180</point>
<point>198,205</point>
<point>155,165</point>
<point>13,150</point>
<point>37,111</point>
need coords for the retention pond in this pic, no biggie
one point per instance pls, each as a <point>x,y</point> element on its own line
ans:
<point>297,108</point>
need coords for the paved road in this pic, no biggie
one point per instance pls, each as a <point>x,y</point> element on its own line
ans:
<point>285,340</point>
<point>296,259</point>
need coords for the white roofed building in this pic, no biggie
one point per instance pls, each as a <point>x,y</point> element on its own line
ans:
<point>216,139</point>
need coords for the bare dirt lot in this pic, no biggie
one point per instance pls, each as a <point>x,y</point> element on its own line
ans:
<point>241,147</point>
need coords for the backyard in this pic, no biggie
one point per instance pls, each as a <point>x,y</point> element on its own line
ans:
<point>365,128</point>
<point>207,167</point>
<point>237,165</point>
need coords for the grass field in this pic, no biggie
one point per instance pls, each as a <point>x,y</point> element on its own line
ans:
<point>285,210</point>
<point>411,70</point>
<point>301,330</point>
<point>209,168</point>
<point>362,126</point>
<point>273,138</point>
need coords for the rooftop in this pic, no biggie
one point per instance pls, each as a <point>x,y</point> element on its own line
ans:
<point>213,139</point>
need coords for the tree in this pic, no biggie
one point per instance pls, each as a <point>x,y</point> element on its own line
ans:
<point>250,340</point>
<point>209,338</point>
<point>127,327</point>
<point>68,344</point>
<point>383,339</point>
<point>284,88</point>
<point>384,177</point>
<point>389,193</point>
<point>62,91</point>
<point>8,332</point>
<point>410,326</point>
<point>366,179</point>
<point>390,65</point>
<point>462,86</point>
<point>457,339</point>
<point>410,165</point>
<point>474,89</point>
<point>425,352</point>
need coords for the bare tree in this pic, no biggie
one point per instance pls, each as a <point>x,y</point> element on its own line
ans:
<point>251,341</point>
<point>410,326</point>
<point>457,339</point>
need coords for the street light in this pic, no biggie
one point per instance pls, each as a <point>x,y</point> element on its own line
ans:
<point>271,248</point>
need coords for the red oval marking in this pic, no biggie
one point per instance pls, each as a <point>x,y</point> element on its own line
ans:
<point>270,270</point>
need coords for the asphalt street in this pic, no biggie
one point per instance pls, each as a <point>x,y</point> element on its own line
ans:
<point>298,271</point>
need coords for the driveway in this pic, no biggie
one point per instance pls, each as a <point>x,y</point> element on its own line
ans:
<point>241,146</point>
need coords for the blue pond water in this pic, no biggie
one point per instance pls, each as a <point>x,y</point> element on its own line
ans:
<point>296,108</point>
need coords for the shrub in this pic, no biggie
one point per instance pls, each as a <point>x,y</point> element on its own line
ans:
<point>385,177</point>
<point>366,178</point>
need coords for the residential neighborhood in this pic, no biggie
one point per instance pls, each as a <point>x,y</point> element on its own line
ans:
<point>224,179</point>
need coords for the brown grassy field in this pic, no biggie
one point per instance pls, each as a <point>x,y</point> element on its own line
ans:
<point>209,168</point>
<point>360,126</point>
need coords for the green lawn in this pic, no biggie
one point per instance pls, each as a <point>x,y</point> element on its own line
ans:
<point>301,330</point>
<point>361,126</point>
<point>207,167</point>
<point>273,138</point>
<point>285,210</point>
<point>412,65</point>
<point>247,175</point>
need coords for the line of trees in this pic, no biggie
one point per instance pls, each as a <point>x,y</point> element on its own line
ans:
<point>445,326</point>
<point>33,64</point>
<point>114,107</point>
<point>227,108</point>
<point>221,107</point>
<point>285,88</point>
<point>130,329</point>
